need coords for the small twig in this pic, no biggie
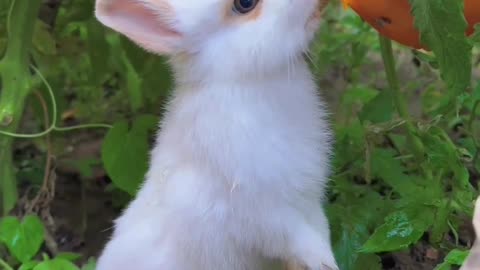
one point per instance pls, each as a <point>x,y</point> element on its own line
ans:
<point>45,195</point>
<point>5,265</point>
<point>46,175</point>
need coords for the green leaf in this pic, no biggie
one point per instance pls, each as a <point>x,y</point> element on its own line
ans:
<point>28,265</point>
<point>457,257</point>
<point>368,261</point>
<point>22,239</point>
<point>56,264</point>
<point>359,95</point>
<point>351,227</point>
<point>70,256</point>
<point>442,27</point>
<point>43,39</point>
<point>379,109</point>
<point>8,183</point>
<point>120,145</point>
<point>454,257</point>
<point>99,53</point>
<point>401,229</point>
<point>475,38</point>
<point>90,265</point>
<point>427,58</point>
<point>391,171</point>
<point>443,155</point>
<point>440,226</point>
<point>351,238</point>
<point>350,144</point>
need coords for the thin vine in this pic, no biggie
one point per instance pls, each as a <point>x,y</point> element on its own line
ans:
<point>53,126</point>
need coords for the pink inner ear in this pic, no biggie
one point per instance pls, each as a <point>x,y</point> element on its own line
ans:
<point>140,18</point>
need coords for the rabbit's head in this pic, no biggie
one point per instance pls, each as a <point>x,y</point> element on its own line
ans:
<point>241,36</point>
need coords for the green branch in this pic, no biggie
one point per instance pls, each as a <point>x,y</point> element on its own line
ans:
<point>16,83</point>
<point>398,98</point>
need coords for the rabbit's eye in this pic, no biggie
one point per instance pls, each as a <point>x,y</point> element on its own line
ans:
<point>244,6</point>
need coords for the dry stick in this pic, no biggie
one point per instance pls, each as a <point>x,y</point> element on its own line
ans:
<point>48,164</point>
<point>45,189</point>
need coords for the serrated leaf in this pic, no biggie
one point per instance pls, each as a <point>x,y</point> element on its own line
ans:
<point>384,166</point>
<point>125,153</point>
<point>440,227</point>
<point>56,264</point>
<point>400,230</point>
<point>443,155</point>
<point>351,226</point>
<point>22,239</point>
<point>442,27</point>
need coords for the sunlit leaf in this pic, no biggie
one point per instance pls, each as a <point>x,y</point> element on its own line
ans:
<point>120,145</point>
<point>400,230</point>
<point>454,257</point>
<point>56,264</point>
<point>24,238</point>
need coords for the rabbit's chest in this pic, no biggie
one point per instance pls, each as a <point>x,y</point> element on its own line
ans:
<point>252,139</point>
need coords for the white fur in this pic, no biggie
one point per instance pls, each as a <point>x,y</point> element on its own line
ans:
<point>240,165</point>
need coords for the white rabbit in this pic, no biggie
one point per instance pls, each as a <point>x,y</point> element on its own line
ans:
<point>239,169</point>
<point>473,260</point>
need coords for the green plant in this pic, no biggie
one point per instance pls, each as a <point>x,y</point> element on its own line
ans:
<point>416,176</point>
<point>24,239</point>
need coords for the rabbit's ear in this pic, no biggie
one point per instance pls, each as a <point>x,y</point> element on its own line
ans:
<point>149,24</point>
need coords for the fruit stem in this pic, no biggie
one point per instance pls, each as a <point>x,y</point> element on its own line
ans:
<point>398,98</point>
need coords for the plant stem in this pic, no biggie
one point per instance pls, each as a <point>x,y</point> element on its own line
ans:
<point>16,85</point>
<point>398,98</point>
<point>5,265</point>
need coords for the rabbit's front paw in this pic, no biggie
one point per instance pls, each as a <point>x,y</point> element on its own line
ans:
<point>296,266</point>
<point>313,249</point>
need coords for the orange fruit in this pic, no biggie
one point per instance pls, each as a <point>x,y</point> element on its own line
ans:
<point>392,18</point>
